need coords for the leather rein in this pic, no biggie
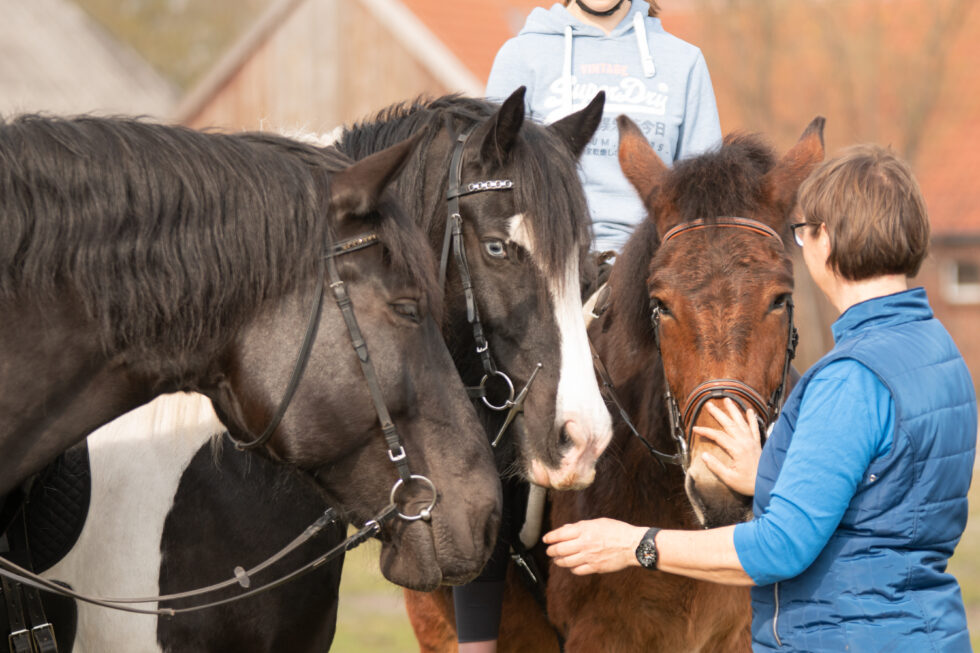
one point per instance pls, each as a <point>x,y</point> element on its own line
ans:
<point>744,395</point>
<point>371,528</point>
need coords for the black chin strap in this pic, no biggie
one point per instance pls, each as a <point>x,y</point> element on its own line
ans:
<point>589,10</point>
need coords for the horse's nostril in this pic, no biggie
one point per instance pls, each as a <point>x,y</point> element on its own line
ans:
<point>564,440</point>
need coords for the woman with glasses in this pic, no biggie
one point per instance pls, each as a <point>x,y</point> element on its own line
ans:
<point>860,491</point>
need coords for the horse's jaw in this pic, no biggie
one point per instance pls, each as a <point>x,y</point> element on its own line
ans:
<point>410,559</point>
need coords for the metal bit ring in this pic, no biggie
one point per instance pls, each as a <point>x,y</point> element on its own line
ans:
<point>510,388</point>
<point>425,514</point>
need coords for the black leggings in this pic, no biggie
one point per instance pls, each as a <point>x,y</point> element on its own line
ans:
<point>478,603</point>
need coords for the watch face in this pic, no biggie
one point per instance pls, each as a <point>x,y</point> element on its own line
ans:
<point>646,553</point>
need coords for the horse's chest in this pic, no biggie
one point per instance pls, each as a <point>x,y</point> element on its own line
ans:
<point>642,610</point>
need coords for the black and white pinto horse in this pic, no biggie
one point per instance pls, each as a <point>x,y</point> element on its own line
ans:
<point>140,259</point>
<point>521,251</point>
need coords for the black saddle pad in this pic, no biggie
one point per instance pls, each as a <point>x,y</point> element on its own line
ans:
<point>57,507</point>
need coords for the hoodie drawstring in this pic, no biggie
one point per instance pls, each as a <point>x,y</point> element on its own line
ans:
<point>640,28</point>
<point>566,100</point>
<point>649,69</point>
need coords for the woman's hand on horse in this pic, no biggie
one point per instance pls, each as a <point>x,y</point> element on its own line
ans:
<point>739,438</point>
<point>595,546</point>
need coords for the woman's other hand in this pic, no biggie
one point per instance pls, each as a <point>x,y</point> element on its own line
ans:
<point>595,546</point>
<point>739,438</point>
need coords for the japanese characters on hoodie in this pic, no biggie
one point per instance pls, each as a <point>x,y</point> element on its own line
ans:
<point>658,80</point>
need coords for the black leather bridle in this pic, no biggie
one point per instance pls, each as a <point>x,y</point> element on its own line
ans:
<point>682,423</point>
<point>453,238</point>
<point>396,453</point>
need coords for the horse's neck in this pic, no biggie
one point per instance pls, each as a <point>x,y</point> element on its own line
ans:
<point>58,385</point>
<point>645,491</point>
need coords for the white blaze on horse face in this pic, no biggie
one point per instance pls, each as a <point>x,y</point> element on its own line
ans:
<point>580,409</point>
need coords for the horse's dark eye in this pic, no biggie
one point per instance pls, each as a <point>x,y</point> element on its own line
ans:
<point>495,248</point>
<point>408,309</point>
<point>780,302</point>
<point>659,306</point>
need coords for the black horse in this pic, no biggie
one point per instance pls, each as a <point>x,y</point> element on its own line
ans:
<point>139,259</point>
<point>522,250</point>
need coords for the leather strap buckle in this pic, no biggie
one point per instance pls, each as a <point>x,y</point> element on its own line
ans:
<point>20,641</point>
<point>44,638</point>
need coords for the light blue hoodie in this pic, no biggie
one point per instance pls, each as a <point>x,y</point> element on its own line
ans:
<point>658,80</point>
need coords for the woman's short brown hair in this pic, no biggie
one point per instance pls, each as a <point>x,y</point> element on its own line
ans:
<point>654,7</point>
<point>874,212</point>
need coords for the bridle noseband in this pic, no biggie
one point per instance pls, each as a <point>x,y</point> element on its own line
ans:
<point>453,238</point>
<point>682,424</point>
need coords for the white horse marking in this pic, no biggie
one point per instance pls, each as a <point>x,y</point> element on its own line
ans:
<point>118,551</point>
<point>579,400</point>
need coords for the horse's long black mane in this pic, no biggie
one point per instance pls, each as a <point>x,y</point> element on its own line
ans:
<point>546,187</point>
<point>722,182</point>
<point>168,236</point>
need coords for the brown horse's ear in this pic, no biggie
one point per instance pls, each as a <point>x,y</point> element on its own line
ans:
<point>576,129</point>
<point>639,162</point>
<point>499,132</point>
<point>783,181</point>
<point>357,189</point>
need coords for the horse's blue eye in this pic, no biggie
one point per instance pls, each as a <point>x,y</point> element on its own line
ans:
<point>495,248</point>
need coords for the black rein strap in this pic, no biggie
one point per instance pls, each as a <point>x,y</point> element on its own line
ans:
<point>313,324</point>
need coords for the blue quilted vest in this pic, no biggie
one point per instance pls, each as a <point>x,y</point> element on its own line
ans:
<point>880,584</point>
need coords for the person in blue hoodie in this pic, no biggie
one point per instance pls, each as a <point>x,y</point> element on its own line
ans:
<point>567,54</point>
<point>564,56</point>
<point>860,493</point>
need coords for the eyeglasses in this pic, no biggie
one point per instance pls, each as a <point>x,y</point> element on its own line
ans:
<point>797,236</point>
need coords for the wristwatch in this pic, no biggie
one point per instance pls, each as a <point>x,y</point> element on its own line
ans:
<point>646,550</point>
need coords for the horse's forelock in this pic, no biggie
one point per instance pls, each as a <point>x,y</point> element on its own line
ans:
<point>549,195</point>
<point>723,182</point>
<point>410,254</point>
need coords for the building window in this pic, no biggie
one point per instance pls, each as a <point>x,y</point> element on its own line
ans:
<point>962,282</point>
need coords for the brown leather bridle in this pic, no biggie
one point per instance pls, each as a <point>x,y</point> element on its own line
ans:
<point>682,423</point>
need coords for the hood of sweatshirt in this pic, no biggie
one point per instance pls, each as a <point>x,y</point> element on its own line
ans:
<point>558,20</point>
<point>653,77</point>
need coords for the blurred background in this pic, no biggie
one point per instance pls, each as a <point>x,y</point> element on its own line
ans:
<point>904,73</point>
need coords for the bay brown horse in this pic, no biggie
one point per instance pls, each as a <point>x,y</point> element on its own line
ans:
<point>722,297</point>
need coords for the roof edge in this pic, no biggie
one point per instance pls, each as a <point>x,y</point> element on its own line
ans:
<point>233,60</point>
<point>409,29</point>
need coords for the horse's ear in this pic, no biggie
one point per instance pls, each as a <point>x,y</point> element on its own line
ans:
<point>639,162</point>
<point>499,132</point>
<point>576,129</point>
<point>784,180</point>
<point>357,189</point>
